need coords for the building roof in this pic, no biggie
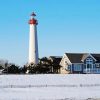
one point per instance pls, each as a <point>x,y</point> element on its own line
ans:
<point>56,59</point>
<point>97,57</point>
<point>78,57</point>
<point>75,57</point>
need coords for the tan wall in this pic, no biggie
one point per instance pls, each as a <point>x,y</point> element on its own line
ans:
<point>63,71</point>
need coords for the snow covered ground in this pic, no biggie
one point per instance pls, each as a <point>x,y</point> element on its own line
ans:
<point>50,87</point>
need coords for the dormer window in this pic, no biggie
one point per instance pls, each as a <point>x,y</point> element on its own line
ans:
<point>89,61</point>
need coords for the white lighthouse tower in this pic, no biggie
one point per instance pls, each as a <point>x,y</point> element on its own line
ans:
<point>33,41</point>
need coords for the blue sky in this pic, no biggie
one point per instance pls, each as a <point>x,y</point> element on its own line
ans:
<point>64,26</point>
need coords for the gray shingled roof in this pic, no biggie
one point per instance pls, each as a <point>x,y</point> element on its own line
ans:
<point>97,57</point>
<point>77,57</point>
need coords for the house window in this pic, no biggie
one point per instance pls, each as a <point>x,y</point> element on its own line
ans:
<point>89,66</point>
<point>89,63</point>
<point>69,67</point>
<point>98,65</point>
<point>77,67</point>
<point>65,62</point>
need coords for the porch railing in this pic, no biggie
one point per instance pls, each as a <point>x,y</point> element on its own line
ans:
<point>92,71</point>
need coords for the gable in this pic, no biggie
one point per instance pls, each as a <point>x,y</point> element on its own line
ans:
<point>65,61</point>
<point>85,56</point>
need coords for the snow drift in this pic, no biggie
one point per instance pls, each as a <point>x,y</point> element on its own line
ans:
<point>49,87</point>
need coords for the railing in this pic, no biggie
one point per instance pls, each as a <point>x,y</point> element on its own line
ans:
<point>92,71</point>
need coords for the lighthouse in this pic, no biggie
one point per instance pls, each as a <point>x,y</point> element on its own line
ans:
<point>33,40</point>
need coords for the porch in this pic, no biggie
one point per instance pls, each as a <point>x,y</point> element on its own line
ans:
<point>92,71</point>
